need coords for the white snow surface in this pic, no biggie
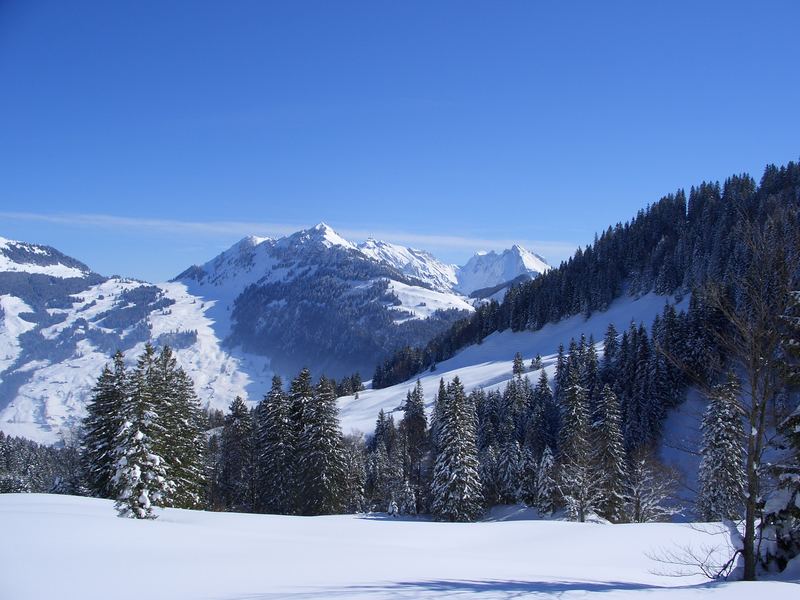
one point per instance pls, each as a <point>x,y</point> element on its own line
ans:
<point>11,327</point>
<point>420,303</point>
<point>70,548</point>
<point>489,365</point>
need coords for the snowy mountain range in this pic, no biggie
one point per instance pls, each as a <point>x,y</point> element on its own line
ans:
<point>262,306</point>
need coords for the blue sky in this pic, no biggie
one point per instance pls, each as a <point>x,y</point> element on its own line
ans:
<point>142,137</point>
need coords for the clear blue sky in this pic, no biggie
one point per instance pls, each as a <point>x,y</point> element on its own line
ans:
<point>145,136</point>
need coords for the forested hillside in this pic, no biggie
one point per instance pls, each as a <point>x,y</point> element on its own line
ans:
<point>673,246</point>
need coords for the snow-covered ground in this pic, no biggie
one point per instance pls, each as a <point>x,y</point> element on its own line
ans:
<point>69,548</point>
<point>488,365</point>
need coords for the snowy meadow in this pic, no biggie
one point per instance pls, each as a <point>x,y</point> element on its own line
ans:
<point>69,548</point>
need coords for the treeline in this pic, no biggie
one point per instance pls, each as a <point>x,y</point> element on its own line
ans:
<point>582,443</point>
<point>673,246</point>
<point>287,455</point>
<point>28,467</point>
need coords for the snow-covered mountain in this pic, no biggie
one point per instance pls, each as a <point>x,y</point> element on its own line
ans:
<point>314,298</point>
<point>262,306</point>
<point>19,257</point>
<point>414,263</point>
<point>488,270</point>
<point>56,333</point>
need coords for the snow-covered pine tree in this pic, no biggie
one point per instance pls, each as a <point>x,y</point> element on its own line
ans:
<point>609,457</point>
<point>183,443</point>
<point>610,354</point>
<point>353,453</point>
<point>301,394</point>
<point>320,457</point>
<point>414,428</point>
<point>577,481</point>
<point>590,375</point>
<point>721,476</point>
<point>237,471</point>
<point>527,478</point>
<point>546,487</point>
<point>436,416</point>
<point>456,489</point>
<point>141,480</point>
<point>508,471</point>
<point>383,476</point>
<point>518,366</point>
<point>536,362</point>
<point>101,426</point>
<point>543,426</point>
<point>487,470</point>
<point>276,442</point>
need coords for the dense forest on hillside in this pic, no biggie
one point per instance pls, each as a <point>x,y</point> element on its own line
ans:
<point>673,246</point>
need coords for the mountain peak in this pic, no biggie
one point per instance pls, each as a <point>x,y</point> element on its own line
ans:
<point>252,241</point>
<point>321,233</point>
<point>22,257</point>
<point>489,269</point>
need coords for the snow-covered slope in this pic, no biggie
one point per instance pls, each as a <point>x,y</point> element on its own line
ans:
<point>20,257</point>
<point>45,380</point>
<point>490,269</point>
<point>488,365</point>
<point>415,263</point>
<point>83,551</point>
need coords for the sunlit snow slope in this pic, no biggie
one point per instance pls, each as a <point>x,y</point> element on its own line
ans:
<point>489,364</point>
<point>69,548</point>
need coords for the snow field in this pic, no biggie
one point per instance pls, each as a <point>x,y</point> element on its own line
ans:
<point>70,548</point>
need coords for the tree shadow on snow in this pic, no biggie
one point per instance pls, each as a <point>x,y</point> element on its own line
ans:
<point>506,589</point>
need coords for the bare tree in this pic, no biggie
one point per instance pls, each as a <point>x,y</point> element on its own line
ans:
<point>715,559</point>
<point>750,336</point>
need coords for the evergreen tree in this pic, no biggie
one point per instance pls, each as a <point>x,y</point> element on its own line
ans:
<point>528,468</point>
<point>276,441</point>
<point>182,445</point>
<point>610,459</point>
<point>415,431</point>
<point>518,367</point>
<point>509,471</point>
<point>536,362</point>
<point>437,416</point>
<point>578,483</point>
<point>237,471</point>
<point>456,488</point>
<point>321,476</point>
<point>353,488</point>
<point>546,483</point>
<point>140,480</point>
<point>610,354</point>
<point>487,471</point>
<point>545,419</point>
<point>101,426</point>
<point>721,477</point>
